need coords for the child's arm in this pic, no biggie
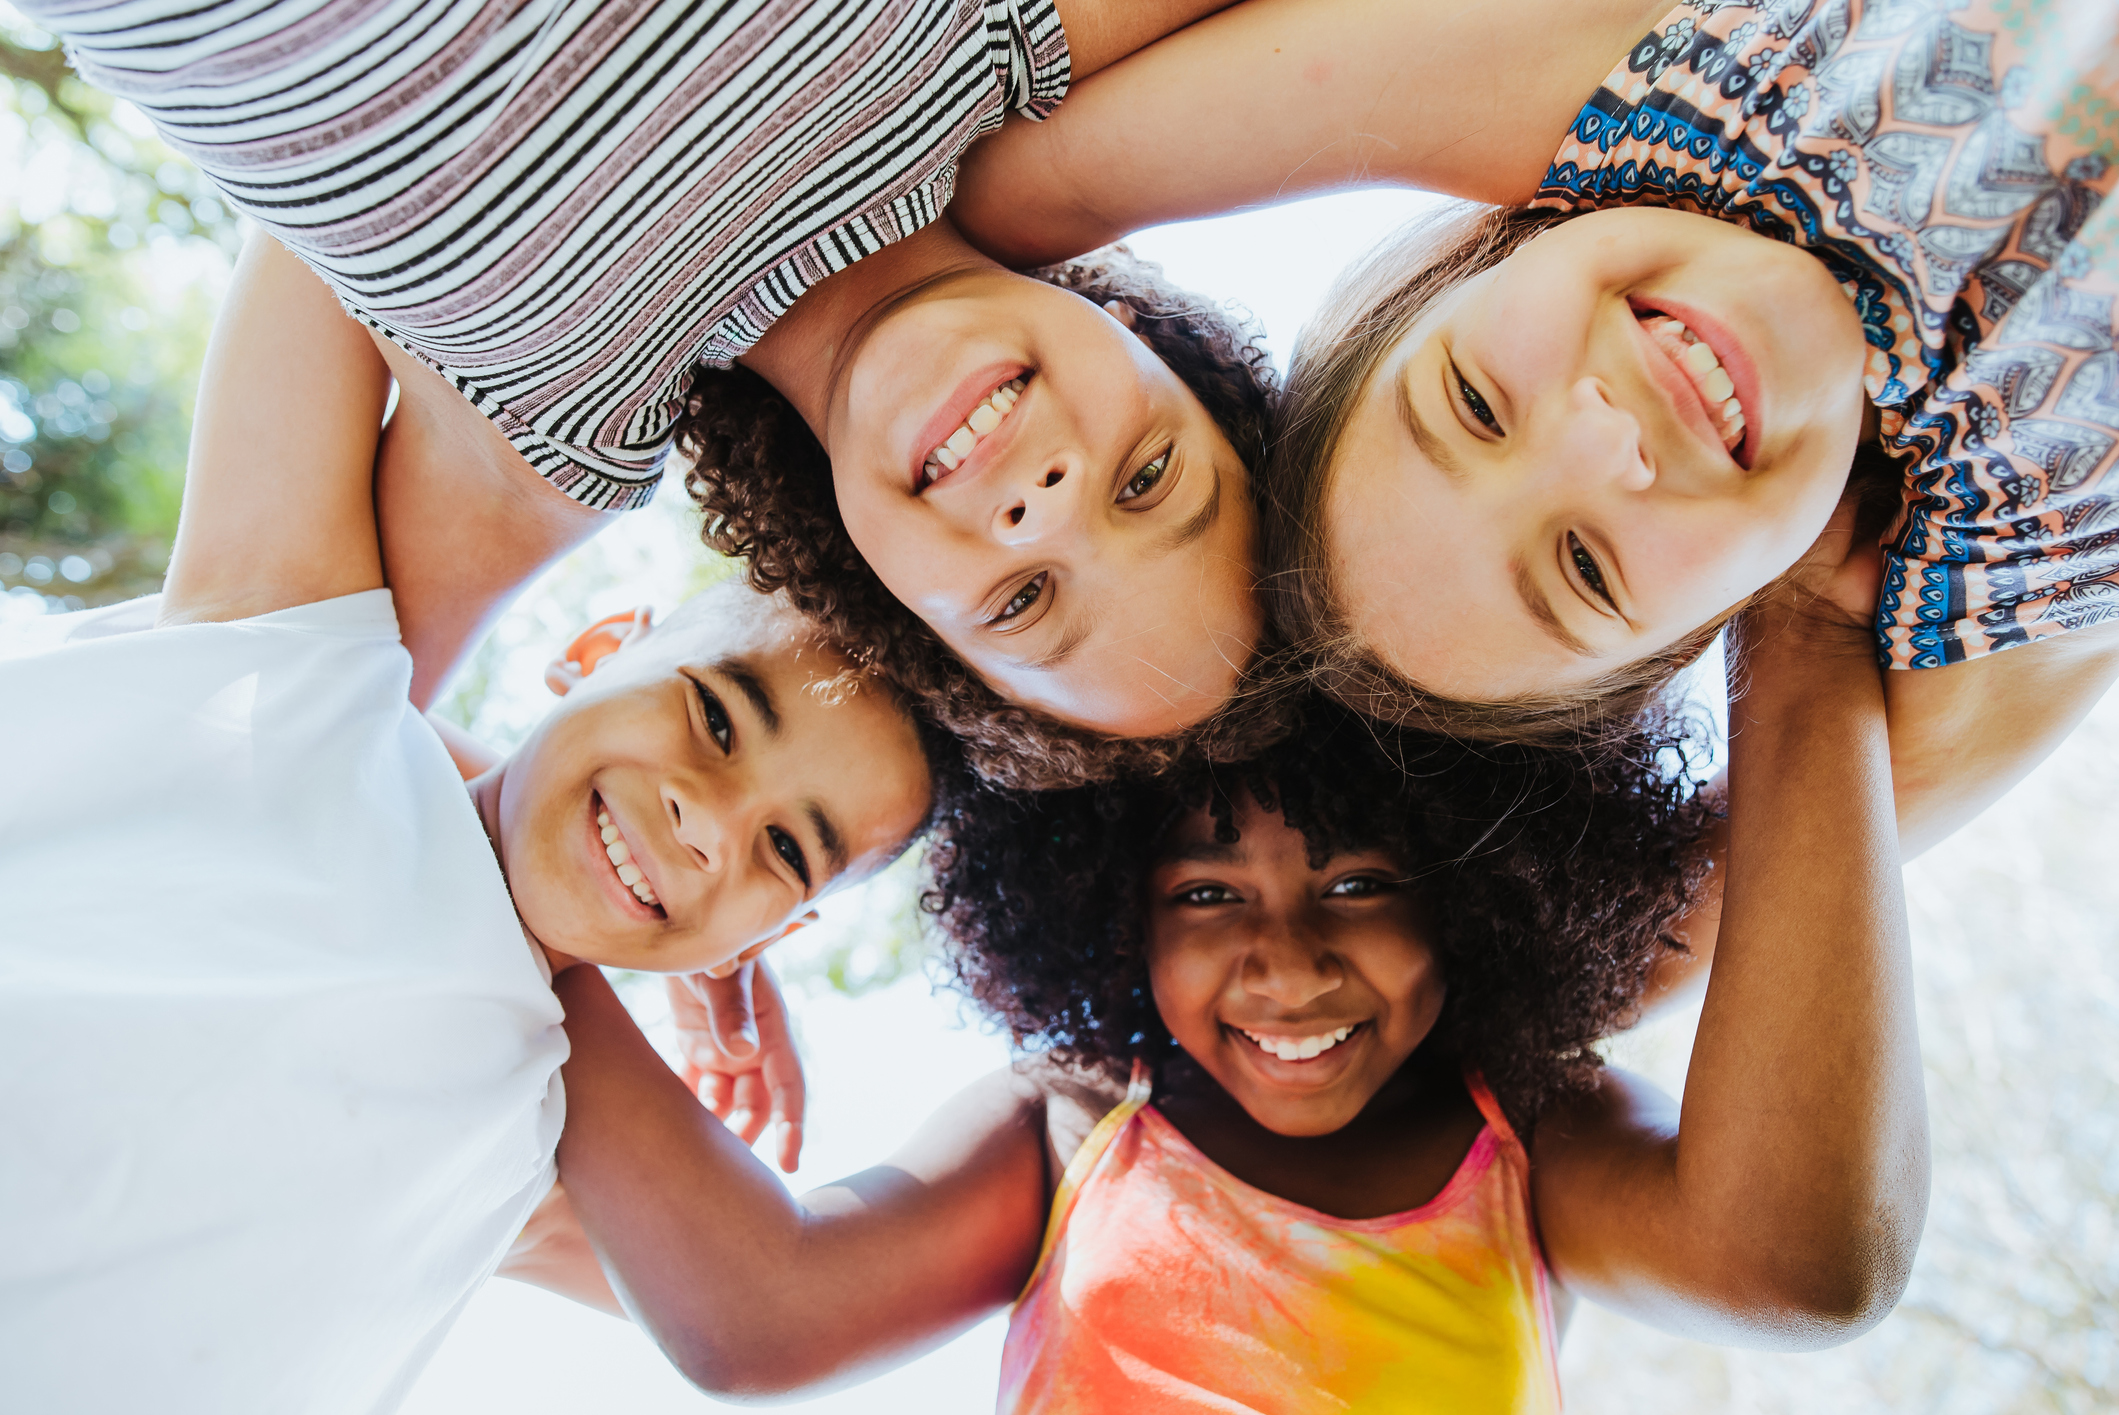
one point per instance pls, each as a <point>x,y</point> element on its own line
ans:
<point>748,1290</point>
<point>465,522</point>
<point>1962,735</point>
<point>1276,99</point>
<point>1783,1203</point>
<point>278,495</point>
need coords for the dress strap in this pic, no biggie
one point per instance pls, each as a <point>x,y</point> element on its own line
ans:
<point>1496,1118</point>
<point>1139,1088</point>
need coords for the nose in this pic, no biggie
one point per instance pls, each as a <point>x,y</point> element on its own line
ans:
<point>1043,506</point>
<point>704,830</point>
<point>1287,972</point>
<point>1603,439</point>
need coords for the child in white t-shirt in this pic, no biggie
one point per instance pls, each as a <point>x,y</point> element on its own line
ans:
<point>282,1068</point>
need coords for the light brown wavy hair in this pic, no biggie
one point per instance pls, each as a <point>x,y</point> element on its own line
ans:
<point>1371,309</point>
<point>764,482</point>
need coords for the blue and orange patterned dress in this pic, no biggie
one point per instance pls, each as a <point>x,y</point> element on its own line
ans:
<point>1951,161</point>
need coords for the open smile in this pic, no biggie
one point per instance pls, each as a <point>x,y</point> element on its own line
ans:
<point>1716,381</point>
<point>1306,1056</point>
<point>634,891</point>
<point>954,434</point>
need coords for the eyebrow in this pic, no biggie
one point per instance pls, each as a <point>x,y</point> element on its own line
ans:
<point>1201,521</point>
<point>754,691</point>
<point>828,836</point>
<point>1435,449</point>
<point>1206,852</point>
<point>1540,607</point>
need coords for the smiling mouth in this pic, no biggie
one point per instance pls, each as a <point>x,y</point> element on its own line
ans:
<point>620,854</point>
<point>984,420</point>
<point>1702,368</point>
<point>1296,1049</point>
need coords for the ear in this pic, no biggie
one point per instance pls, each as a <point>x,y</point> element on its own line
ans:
<point>595,644</point>
<point>1123,313</point>
<point>728,968</point>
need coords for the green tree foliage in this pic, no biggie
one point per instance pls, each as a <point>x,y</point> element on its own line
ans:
<point>112,253</point>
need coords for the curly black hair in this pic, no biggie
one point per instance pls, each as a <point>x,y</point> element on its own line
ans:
<point>1555,879</point>
<point>764,482</point>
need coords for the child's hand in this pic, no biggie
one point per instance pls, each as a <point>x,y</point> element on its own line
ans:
<point>739,1055</point>
<point>1827,602</point>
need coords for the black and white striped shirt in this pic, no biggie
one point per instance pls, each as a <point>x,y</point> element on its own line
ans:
<point>564,206</point>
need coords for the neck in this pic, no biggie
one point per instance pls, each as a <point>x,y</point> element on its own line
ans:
<point>805,351</point>
<point>485,799</point>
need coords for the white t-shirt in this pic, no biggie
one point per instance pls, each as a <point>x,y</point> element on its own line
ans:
<point>279,1071</point>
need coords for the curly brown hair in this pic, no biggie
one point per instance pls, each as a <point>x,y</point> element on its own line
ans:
<point>1555,877</point>
<point>764,482</point>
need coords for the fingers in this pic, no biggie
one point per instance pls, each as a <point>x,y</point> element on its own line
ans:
<point>717,1092</point>
<point>749,1113</point>
<point>728,1007</point>
<point>790,1146</point>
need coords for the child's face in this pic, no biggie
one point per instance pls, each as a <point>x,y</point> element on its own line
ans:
<point>1090,555</point>
<point>1255,958</point>
<point>738,793</point>
<point>1540,483</point>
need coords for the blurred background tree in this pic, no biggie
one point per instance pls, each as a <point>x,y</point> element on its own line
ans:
<point>113,251</point>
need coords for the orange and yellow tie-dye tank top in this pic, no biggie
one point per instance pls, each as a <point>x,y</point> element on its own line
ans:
<point>1168,1284</point>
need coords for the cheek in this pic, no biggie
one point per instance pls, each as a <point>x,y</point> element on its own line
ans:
<point>920,558</point>
<point>1186,984</point>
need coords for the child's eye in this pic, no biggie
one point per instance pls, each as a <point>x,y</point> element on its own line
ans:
<point>1473,403</point>
<point>790,850</point>
<point>1201,896</point>
<point>1020,603</point>
<point>717,724</point>
<point>1357,887</point>
<point>1145,480</point>
<point>1586,567</point>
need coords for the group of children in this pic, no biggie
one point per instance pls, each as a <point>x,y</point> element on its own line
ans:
<point>1290,766</point>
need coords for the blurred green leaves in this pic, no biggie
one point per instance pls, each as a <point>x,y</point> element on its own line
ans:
<point>113,251</point>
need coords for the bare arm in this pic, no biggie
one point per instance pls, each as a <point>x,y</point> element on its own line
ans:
<point>278,506</point>
<point>465,522</point>
<point>1782,1205</point>
<point>553,1253</point>
<point>747,1290</point>
<point>1961,736</point>
<point>1276,99</point>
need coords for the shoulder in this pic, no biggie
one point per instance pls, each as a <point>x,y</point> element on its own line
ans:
<point>1071,1099</point>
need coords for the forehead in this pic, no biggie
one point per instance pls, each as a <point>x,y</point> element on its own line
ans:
<point>1263,839</point>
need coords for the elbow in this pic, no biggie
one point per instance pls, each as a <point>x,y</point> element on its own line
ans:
<point>1842,1291</point>
<point>1835,1305</point>
<point>743,1373</point>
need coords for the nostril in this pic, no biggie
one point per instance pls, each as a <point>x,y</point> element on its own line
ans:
<point>1015,516</point>
<point>1052,478</point>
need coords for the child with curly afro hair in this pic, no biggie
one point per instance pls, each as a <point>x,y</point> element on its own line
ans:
<point>1308,1116</point>
<point>1555,882</point>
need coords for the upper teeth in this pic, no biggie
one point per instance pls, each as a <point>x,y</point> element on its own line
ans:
<point>1299,1048</point>
<point>1697,358</point>
<point>621,855</point>
<point>984,419</point>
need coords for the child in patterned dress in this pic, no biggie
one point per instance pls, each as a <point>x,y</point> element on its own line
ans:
<point>1797,268</point>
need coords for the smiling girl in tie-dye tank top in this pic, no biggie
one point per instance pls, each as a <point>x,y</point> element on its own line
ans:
<point>1307,1122</point>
